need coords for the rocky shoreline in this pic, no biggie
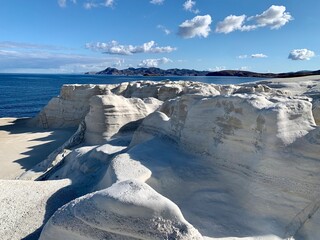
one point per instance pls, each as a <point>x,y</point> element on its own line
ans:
<point>153,71</point>
<point>174,160</point>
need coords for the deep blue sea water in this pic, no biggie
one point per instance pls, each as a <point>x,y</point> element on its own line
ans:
<point>24,95</point>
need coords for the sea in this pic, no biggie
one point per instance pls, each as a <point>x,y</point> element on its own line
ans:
<point>24,95</point>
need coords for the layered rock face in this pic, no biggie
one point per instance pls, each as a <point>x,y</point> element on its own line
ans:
<point>72,105</point>
<point>68,109</point>
<point>184,160</point>
<point>256,135</point>
<point>316,111</point>
<point>255,122</point>
<point>109,113</point>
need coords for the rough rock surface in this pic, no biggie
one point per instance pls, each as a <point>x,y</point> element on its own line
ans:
<point>26,205</point>
<point>316,111</point>
<point>72,105</point>
<point>236,160</point>
<point>204,124</point>
<point>109,113</point>
<point>127,210</point>
<point>68,109</point>
<point>256,136</point>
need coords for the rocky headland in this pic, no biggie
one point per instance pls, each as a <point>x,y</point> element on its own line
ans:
<point>173,160</point>
<point>238,73</point>
<point>153,71</point>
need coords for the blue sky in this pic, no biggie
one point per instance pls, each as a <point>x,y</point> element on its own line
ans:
<point>75,36</point>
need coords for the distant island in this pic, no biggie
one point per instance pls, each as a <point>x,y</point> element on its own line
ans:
<point>238,73</point>
<point>153,71</point>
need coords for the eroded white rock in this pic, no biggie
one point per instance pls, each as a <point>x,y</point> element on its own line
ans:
<point>206,124</point>
<point>68,109</point>
<point>128,209</point>
<point>122,168</point>
<point>238,160</point>
<point>109,113</point>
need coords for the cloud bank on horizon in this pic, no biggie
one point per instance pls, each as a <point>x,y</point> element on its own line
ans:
<point>179,33</point>
<point>114,47</point>
<point>154,62</point>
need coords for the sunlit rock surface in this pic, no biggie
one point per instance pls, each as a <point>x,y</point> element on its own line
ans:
<point>110,113</point>
<point>69,108</point>
<point>185,160</point>
<point>126,210</point>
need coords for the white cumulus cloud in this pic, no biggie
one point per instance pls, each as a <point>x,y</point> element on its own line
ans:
<point>301,54</point>
<point>114,47</point>
<point>154,62</point>
<point>198,26</point>
<point>189,6</point>
<point>258,55</point>
<point>233,23</point>
<point>157,2</point>
<point>275,17</point>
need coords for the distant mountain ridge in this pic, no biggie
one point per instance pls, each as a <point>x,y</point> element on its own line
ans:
<point>236,73</point>
<point>153,71</point>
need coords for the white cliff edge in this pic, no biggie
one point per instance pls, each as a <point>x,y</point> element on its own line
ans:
<point>186,160</point>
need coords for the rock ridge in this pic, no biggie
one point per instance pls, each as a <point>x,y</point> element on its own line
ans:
<point>185,160</point>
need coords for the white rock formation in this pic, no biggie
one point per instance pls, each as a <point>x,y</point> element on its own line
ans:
<point>55,157</point>
<point>205,124</point>
<point>231,161</point>
<point>127,210</point>
<point>109,113</point>
<point>122,168</point>
<point>72,105</point>
<point>68,109</point>
<point>316,111</point>
<point>164,90</point>
<point>253,135</point>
